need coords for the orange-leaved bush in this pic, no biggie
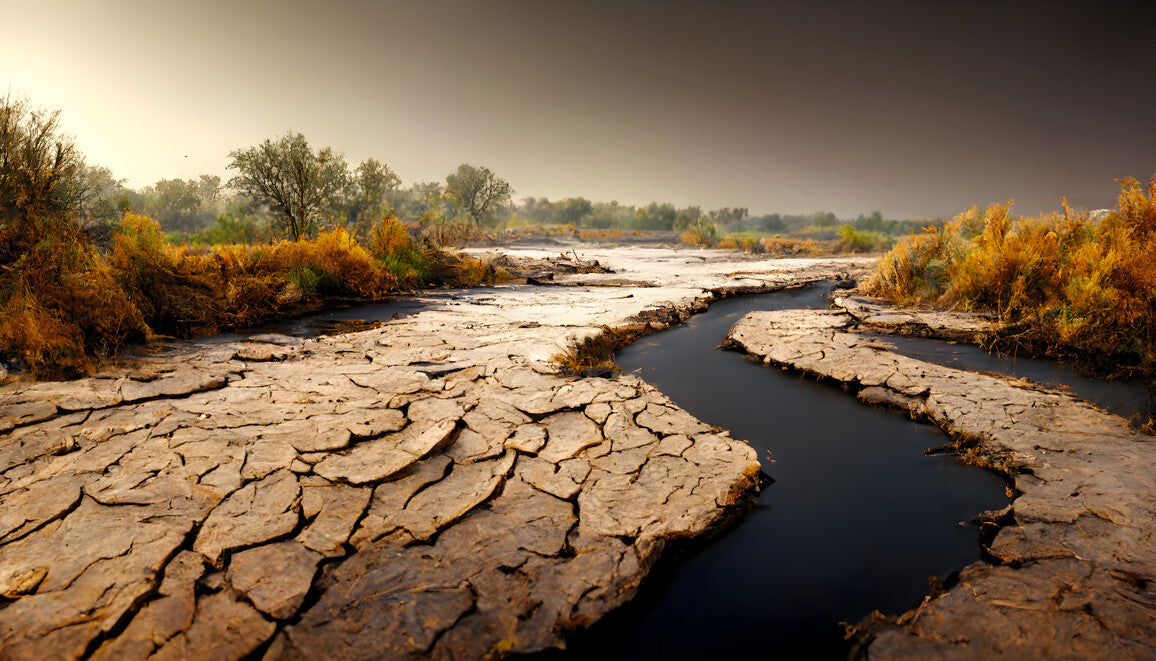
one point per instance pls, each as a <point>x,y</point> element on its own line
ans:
<point>1068,282</point>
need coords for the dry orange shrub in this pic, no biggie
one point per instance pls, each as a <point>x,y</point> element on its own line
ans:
<point>65,304</point>
<point>601,233</point>
<point>37,337</point>
<point>1076,283</point>
<point>703,236</point>
<point>780,247</point>
<point>728,243</point>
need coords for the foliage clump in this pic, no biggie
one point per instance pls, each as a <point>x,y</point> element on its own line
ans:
<point>706,236</point>
<point>60,303</point>
<point>66,306</point>
<point>592,355</point>
<point>853,240</point>
<point>1068,283</point>
<point>702,236</point>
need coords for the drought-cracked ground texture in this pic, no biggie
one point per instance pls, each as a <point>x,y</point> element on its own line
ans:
<point>427,488</point>
<point>1073,563</point>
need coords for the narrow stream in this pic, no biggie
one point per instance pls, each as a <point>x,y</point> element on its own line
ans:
<point>858,517</point>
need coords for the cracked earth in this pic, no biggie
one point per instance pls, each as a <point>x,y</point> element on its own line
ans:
<point>1073,562</point>
<point>426,488</point>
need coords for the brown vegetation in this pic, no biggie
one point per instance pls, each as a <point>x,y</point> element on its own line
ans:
<point>779,247</point>
<point>704,236</point>
<point>66,307</point>
<point>1066,283</point>
<point>590,356</point>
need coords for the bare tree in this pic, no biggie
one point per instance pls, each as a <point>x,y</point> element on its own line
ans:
<point>477,190</point>
<point>296,183</point>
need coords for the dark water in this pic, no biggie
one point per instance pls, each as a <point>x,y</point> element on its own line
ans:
<point>329,322</point>
<point>858,517</point>
<point>1127,399</point>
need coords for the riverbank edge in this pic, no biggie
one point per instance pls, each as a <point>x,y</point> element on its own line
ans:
<point>231,365</point>
<point>1070,568</point>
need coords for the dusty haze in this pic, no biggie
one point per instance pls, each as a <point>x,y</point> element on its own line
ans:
<point>913,109</point>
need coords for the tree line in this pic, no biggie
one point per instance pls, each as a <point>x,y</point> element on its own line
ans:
<point>285,188</point>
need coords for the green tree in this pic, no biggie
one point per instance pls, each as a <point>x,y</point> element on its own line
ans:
<point>688,217</point>
<point>369,193</point>
<point>729,218</point>
<point>98,194</point>
<point>772,223</point>
<point>209,191</point>
<point>173,203</point>
<point>296,183</point>
<point>477,191</point>
<point>655,216</point>
<point>573,210</point>
<point>825,219</point>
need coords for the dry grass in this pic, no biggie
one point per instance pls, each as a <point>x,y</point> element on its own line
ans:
<point>601,234</point>
<point>591,356</point>
<point>779,247</point>
<point>594,355</point>
<point>704,236</point>
<point>443,234</point>
<point>700,236</point>
<point>65,308</point>
<point>1070,284</point>
<point>460,270</point>
<point>743,243</point>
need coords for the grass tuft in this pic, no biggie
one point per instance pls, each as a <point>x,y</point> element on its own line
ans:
<point>591,356</point>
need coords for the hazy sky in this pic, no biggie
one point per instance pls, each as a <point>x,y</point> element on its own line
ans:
<point>910,108</point>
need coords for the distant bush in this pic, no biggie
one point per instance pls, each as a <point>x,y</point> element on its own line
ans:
<point>705,236</point>
<point>852,240</point>
<point>1070,282</point>
<point>449,233</point>
<point>780,247</point>
<point>229,229</point>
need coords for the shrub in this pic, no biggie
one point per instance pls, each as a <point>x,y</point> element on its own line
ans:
<point>852,240</point>
<point>704,236</point>
<point>459,270</point>
<point>391,245</point>
<point>448,233</point>
<point>780,247</point>
<point>166,288</point>
<point>1076,284</point>
<point>590,356</point>
<point>38,338</point>
<point>227,230</point>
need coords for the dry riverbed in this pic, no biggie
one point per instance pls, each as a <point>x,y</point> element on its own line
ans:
<point>1073,563</point>
<point>427,488</point>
